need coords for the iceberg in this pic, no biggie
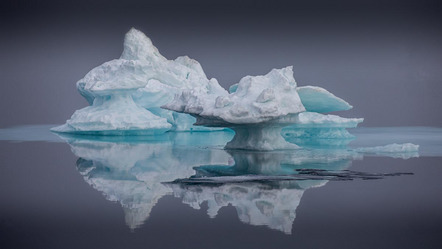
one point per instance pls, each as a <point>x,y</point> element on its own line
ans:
<point>144,93</point>
<point>259,107</point>
<point>257,99</point>
<point>125,94</point>
<point>253,111</point>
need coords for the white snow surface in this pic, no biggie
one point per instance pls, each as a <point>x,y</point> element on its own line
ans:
<point>147,80</point>
<point>142,66</point>
<point>112,114</point>
<point>315,99</point>
<point>258,107</point>
<point>126,96</point>
<point>257,99</point>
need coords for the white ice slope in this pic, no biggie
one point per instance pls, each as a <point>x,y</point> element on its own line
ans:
<point>140,79</point>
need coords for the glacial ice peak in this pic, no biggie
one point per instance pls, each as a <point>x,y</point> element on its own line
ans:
<point>140,63</point>
<point>141,80</point>
<point>137,46</point>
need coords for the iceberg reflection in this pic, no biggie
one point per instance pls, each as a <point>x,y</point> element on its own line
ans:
<point>272,205</point>
<point>132,172</point>
<point>264,187</point>
<point>258,185</point>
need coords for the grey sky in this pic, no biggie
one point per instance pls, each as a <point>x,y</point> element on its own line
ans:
<point>384,60</point>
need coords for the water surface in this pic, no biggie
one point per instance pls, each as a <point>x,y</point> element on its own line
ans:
<point>182,190</point>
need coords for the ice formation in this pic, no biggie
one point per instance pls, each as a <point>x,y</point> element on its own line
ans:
<point>315,99</point>
<point>125,94</point>
<point>404,151</point>
<point>257,108</point>
<point>143,93</point>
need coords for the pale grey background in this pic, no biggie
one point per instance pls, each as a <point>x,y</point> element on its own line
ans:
<point>385,59</point>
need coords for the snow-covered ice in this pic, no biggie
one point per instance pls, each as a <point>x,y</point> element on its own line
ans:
<point>116,114</point>
<point>259,107</point>
<point>143,93</point>
<point>257,99</point>
<point>125,94</point>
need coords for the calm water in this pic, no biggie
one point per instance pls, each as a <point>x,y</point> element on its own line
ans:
<point>182,190</point>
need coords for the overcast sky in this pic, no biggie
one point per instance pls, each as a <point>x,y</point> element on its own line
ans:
<point>384,59</point>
